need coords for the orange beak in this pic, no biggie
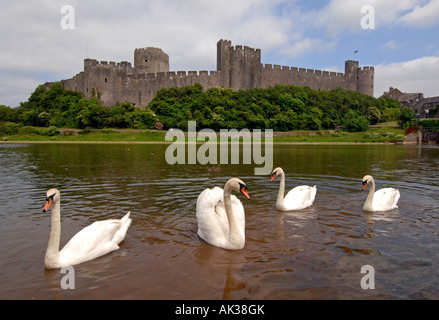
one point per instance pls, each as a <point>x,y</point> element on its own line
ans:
<point>244,192</point>
<point>364,185</point>
<point>47,204</point>
<point>273,176</point>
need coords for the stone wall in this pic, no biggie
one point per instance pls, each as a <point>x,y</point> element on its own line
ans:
<point>238,67</point>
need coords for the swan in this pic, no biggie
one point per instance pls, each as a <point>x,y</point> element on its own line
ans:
<point>381,200</point>
<point>298,198</point>
<point>93,241</point>
<point>220,215</point>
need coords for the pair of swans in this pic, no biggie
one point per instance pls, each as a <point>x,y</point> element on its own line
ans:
<point>302,197</point>
<point>221,217</point>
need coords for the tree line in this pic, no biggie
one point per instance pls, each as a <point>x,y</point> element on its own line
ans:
<point>281,108</point>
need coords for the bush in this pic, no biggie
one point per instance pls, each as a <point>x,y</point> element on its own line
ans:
<point>281,108</point>
<point>407,117</point>
<point>354,122</point>
<point>51,131</point>
<point>430,124</point>
<point>29,130</point>
<point>10,128</point>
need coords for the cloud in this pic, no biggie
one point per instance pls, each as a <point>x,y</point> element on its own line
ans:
<point>13,84</point>
<point>339,15</point>
<point>418,75</point>
<point>38,49</point>
<point>186,30</point>
<point>393,45</point>
<point>425,16</point>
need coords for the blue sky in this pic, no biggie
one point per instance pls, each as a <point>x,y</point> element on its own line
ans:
<point>403,46</point>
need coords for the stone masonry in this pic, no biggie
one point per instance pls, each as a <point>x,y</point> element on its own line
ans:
<point>238,67</point>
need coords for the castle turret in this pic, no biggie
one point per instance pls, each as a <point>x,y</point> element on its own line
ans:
<point>240,66</point>
<point>365,80</point>
<point>151,60</point>
<point>223,61</point>
<point>350,69</point>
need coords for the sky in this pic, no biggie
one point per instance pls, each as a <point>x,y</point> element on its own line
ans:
<point>45,41</point>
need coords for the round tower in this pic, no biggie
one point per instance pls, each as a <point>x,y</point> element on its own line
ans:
<point>151,60</point>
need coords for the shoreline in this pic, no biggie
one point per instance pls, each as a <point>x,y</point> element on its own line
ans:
<point>170,142</point>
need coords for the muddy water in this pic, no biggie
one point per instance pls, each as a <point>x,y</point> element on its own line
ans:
<point>316,253</point>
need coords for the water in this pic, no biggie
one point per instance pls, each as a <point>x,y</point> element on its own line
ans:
<point>316,253</point>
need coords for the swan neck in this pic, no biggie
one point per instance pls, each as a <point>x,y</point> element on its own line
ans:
<point>234,234</point>
<point>280,195</point>
<point>55,233</point>
<point>369,200</point>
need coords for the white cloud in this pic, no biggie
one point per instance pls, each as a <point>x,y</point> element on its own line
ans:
<point>186,30</point>
<point>12,86</point>
<point>393,45</point>
<point>425,16</point>
<point>418,75</point>
<point>36,47</point>
<point>342,15</point>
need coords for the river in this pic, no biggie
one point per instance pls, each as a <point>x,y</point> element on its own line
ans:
<point>315,253</point>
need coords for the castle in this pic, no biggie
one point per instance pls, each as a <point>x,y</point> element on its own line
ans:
<point>238,67</point>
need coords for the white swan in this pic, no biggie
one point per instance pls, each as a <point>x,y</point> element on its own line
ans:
<point>93,241</point>
<point>298,198</point>
<point>220,216</point>
<point>381,200</point>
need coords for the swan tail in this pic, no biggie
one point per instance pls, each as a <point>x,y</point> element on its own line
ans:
<point>125,223</point>
<point>313,193</point>
<point>125,218</point>
<point>395,202</point>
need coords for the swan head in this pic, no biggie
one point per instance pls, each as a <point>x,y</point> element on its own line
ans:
<point>276,172</point>
<point>238,185</point>
<point>52,195</point>
<point>366,180</point>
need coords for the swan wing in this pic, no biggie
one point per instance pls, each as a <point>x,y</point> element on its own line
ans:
<point>385,199</point>
<point>239,214</point>
<point>95,240</point>
<point>213,224</point>
<point>211,216</point>
<point>300,197</point>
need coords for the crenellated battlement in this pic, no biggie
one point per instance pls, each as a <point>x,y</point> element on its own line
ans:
<point>245,49</point>
<point>269,67</point>
<point>238,67</point>
<point>173,74</point>
<point>106,64</point>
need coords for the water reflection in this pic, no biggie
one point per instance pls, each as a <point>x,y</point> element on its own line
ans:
<point>314,253</point>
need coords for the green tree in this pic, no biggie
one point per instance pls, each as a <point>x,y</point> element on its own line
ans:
<point>373,115</point>
<point>407,117</point>
<point>355,122</point>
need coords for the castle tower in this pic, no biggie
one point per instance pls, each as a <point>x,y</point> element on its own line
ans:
<point>223,61</point>
<point>350,70</point>
<point>151,60</point>
<point>365,80</point>
<point>240,66</point>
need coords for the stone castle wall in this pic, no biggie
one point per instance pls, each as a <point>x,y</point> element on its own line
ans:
<point>238,67</point>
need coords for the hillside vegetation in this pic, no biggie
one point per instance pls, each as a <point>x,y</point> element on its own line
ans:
<point>281,108</point>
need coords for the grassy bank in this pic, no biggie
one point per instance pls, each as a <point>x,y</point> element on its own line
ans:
<point>375,134</point>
